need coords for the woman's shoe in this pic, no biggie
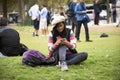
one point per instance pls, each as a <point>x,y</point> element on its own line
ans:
<point>63,66</point>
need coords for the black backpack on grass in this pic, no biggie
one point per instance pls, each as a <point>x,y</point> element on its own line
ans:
<point>10,42</point>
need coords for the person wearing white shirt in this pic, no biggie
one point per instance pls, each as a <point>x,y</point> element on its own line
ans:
<point>34,13</point>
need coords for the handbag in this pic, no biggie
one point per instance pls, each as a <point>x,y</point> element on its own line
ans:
<point>86,18</point>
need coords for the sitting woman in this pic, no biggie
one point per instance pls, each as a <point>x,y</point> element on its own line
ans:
<point>62,43</point>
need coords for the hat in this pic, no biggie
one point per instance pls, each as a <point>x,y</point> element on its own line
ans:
<point>57,19</point>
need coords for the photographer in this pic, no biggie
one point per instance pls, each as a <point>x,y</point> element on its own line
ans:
<point>62,42</point>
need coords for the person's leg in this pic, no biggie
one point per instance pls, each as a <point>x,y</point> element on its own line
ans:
<point>97,19</point>
<point>45,31</point>
<point>86,30</point>
<point>76,58</point>
<point>114,18</point>
<point>62,58</point>
<point>42,31</point>
<point>73,26</point>
<point>36,27</point>
<point>118,24</point>
<point>74,22</point>
<point>78,28</point>
<point>62,53</point>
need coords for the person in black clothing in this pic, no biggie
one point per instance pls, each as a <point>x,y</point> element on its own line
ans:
<point>9,40</point>
<point>113,13</point>
<point>97,10</point>
<point>71,14</point>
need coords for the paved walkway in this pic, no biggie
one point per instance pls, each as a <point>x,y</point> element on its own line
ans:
<point>103,23</point>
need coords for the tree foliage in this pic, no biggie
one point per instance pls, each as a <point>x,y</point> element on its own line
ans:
<point>110,1</point>
<point>23,6</point>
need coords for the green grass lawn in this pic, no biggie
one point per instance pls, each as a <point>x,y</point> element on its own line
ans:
<point>103,62</point>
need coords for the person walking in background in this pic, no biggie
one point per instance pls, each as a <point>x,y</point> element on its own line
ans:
<point>80,11</point>
<point>97,10</point>
<point>71,14</point>
<point>43,20</point>
<point>34,13</point>
<point>62,42</point>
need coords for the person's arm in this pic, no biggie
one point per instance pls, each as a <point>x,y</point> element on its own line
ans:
<point>72,43</point>
<point>52,46</point>
<point>77,9</point>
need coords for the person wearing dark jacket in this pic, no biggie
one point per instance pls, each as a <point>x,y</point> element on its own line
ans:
<point>97,10</point>
<point>9,40</point>
<point>71,13</point>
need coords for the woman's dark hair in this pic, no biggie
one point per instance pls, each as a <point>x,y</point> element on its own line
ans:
<point>3,21</point>
<point>55,32</point>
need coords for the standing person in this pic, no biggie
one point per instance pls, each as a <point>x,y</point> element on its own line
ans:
<point>43,20</point>
<point>48,20</point>
<point>97,10</point>
<point>80,11</point>
<point>34,13</point>
<point>9,40</point>
<point>48,17</point>
<point>113,13</point>
<point>62,42</point>
<point>118,12</point>
<point>71,14</point>
<point>62,13</point>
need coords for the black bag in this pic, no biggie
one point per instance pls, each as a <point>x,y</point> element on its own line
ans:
<point>86,18</point>
<point>103,35</point>
<point>23,48</point>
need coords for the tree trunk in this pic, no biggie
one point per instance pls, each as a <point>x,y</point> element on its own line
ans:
<point>4,7</point>
<point>21,11</point>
